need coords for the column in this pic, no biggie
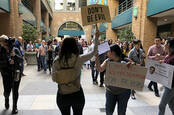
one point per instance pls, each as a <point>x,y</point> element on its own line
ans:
<point>46,22</point>
<point>12,17</point>
<point>37,13</point>
<point>113,6</point>
<point>143,27</point>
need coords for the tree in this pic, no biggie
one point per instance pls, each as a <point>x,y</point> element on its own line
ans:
<point>125,34</point>
<point>30,33</point>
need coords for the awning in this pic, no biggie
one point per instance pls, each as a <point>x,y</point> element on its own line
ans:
<point>157,6</point>
<point>5,5</point>
<point>27,15</point>
<point>122,19</point>
<point>70,32</point>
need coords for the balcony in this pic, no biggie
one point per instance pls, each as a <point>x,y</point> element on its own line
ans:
<point>158,6</point>
<point>27,15</point>
<point>125,5</point>
<point>122,19</point>
<point>5,5</point>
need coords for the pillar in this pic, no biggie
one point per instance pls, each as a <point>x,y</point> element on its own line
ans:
<point>143,27</point>
<point>37,13</point>
<point>113,7</point>
<point>12,22</point>
<point>46,22</point>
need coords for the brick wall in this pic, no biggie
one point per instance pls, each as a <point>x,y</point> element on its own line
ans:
<point>60,18</point>
<point>113,8</point>
<point>11,23</point>
<point>144,28</point>
<point>5,24</point>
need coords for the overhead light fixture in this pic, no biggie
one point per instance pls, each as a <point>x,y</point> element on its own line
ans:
<point>165,19</point>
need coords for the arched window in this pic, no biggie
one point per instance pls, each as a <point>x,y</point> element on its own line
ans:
<point>70,26</point>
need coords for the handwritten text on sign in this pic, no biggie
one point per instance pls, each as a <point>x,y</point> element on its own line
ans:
<point>161,73</point>
<point>93,14</point>
<point>120,75</point>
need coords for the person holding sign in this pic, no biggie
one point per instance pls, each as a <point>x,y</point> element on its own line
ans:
<point>137,56</point>
<point>66,73</point>
<point>168,95</point>
<point>156,52</point>
<point>114,94</point>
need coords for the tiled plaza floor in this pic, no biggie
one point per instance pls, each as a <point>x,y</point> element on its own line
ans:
<point>38,97</point>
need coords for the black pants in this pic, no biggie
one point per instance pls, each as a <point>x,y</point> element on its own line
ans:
<point>50,63</point>
<point>155,85</point>
<point>102,74</point>
<point>94,71</point>
<point>75,100</point>
<point>9,84</point>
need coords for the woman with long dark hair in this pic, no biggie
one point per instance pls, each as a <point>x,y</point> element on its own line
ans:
<point>66,72</point>
<point>168,95</point>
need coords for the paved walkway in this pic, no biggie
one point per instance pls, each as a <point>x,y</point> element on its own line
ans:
<point>38,97</point>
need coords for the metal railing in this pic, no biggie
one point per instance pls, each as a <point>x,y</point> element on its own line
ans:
<point>125,6</point>
<point>28,4</point>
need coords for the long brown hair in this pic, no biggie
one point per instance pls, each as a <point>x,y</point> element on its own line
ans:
<point>69,47</point>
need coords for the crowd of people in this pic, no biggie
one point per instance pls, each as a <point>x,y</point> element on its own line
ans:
<point>66,59</point>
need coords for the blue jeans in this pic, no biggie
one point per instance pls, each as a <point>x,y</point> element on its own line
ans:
<point>38,63</point>
<point>167,98</point>
<point>94,71</point>
<point>121,99</point>
<point>43,60</point>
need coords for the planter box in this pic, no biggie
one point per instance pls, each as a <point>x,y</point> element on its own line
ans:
<point>31,58</point>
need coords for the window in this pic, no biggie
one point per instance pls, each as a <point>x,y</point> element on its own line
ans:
<point>82,3</point>
<point>71,26</point>
<point>59,5</point>
<point>71,5</point>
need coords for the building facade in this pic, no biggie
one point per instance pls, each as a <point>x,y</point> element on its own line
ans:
<point>14,13</point>
<point>67,19</point>
<point>147,18</point>
<point>63,17</point>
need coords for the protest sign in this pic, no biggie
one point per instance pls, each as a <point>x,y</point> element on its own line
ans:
<point>102,48</point>
<point>94,14</point>
<point>161,73</point>
<point>119,75</point>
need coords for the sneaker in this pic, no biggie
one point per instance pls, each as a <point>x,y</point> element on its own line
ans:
<point>101,85</point>
<point>150,88</point>
<point>133,97</point>
<point>157,95</point>
<point>14,111</point>
<point>95,82</point>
